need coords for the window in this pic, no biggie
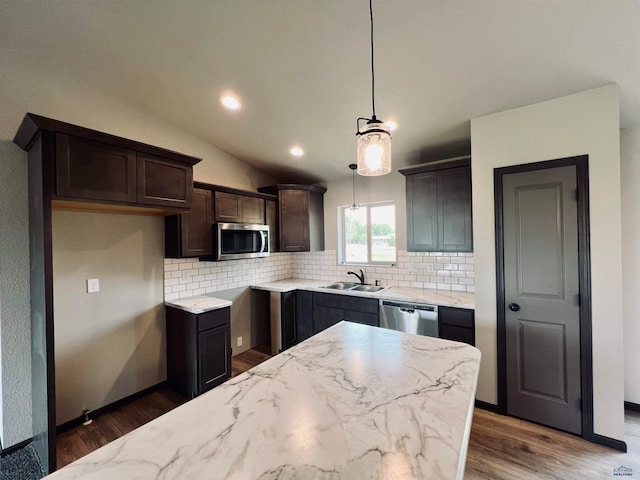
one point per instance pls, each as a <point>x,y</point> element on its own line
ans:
<point>368,234</point>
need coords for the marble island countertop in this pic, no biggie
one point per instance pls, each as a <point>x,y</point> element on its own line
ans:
<point>351,402</point>
<point>400,294</point>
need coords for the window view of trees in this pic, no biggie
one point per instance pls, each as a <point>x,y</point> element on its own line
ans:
<point>364,244</point>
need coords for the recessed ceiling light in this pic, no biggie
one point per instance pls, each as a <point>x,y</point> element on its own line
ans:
<point>230,102</point>
<point>296,151</point>
<point>393,125</point>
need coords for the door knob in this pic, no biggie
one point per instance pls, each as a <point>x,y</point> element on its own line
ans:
<point>514,307</point>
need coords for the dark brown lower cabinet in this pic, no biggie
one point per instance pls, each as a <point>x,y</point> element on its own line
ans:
<point>288,319</point>
<point>304,314</point>
<point>457,324</point>
<point>198,350</point>
<point>329,309</point>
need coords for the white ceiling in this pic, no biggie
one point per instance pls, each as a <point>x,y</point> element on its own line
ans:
<point>301,67</point>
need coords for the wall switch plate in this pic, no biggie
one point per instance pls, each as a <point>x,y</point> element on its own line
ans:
<point>93,285</point>
<point>239,341</point>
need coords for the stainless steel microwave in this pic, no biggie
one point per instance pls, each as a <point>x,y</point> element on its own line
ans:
<point>241,240</point>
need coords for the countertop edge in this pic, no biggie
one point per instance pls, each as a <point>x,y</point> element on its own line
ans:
<point>385,295</point>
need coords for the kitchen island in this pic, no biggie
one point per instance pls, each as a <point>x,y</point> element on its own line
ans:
<point>351,402</point>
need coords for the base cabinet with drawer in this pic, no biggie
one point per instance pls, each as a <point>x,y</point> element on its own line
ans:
<point>198,350</point>
<point>329,309</point>
<point>457,324</point>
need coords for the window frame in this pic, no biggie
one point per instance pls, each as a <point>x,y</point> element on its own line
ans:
<point>342,240</point>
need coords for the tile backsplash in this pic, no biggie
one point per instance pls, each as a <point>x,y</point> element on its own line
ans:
<point>442,271</point>
<point>439,270</point>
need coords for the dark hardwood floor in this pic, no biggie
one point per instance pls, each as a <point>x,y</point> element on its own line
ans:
<point>79,441</point>
<point>500,447</point>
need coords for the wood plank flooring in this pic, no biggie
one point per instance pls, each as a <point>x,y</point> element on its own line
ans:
<point>500,447</point>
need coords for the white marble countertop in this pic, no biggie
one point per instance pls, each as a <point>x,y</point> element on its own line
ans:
<point>199,304</point>
<point>353,401</point>
<point>401,294</point>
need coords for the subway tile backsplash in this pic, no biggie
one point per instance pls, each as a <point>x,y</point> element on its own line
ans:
<point>439,270</point>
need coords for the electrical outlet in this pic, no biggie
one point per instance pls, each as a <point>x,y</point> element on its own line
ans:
<point>431,267</point>
<point>239,341</point>
<point>93,285</point>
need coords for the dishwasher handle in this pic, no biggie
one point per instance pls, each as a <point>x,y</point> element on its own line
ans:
<point>411,306</point>
<point>408,310</point>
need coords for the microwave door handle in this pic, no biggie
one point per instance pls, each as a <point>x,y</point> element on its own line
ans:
<point>262,242</point>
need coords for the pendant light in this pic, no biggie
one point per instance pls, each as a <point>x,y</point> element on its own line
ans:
<point>353,167</point>
<point>374,139</point>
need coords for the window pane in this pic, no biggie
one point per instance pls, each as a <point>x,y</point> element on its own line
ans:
<point>355,235</point>
<point>383,234</point>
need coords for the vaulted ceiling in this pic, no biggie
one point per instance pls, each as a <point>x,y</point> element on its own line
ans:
<point>301,67</point>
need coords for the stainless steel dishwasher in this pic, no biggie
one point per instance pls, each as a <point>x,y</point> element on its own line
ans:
<point>414,318</point>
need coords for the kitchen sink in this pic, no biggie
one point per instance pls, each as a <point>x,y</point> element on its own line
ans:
<point>355,287</point>
<point>368,288</point>
<point>341,286</point>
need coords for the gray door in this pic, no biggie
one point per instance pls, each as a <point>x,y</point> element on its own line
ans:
<point>542,312</point>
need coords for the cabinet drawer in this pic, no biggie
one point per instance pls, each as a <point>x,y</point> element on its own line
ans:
<point>460,317</point>
<point>214,318</point>
<point>347,302</point>
<point>363,318</point>
<point>458,334</point>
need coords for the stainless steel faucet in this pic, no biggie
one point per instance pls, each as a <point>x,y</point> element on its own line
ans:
<point>360,277</point>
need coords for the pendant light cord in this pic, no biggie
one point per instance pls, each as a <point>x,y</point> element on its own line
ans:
<point>373,78</point>
<point>353,187</point>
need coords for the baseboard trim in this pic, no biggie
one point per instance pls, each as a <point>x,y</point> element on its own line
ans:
<point>487,406</point>
<point>14,448</point>
<point>607,442</point>
<point>93,414</point>
<point>634,407</point>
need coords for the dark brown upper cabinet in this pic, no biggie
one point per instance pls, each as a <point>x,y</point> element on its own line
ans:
<point>96,171</point>
<point>191,234</point>
<point>163,182</point>
<point>301,216</point>
<point>271,219</point>
<point>237,208</point>
<point>439,217</point>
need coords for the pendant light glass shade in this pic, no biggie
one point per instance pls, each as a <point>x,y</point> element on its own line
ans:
<point>374,149</point>
<point>374,139</point>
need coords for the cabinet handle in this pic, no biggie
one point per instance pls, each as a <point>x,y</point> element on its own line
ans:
<point>514,307</point>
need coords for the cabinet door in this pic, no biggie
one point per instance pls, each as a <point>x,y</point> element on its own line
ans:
<point>252,210</point>
<point>324,317</point>
<point>288,319</point>
<point>294,221</point>
<point>94,170</point>
<point>164,182</point>
<point>271,219</point>
<point>422,212</point>
<point>228,207</point>
<point>454,213</point>
<point>304,314</point>
<point>214,357</point>
<point>197,226</point>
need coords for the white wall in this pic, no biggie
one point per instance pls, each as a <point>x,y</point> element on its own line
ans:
<point>58,94</point>
<point>15,331</point>
<point>630,180</point>
<point>585,123</point>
